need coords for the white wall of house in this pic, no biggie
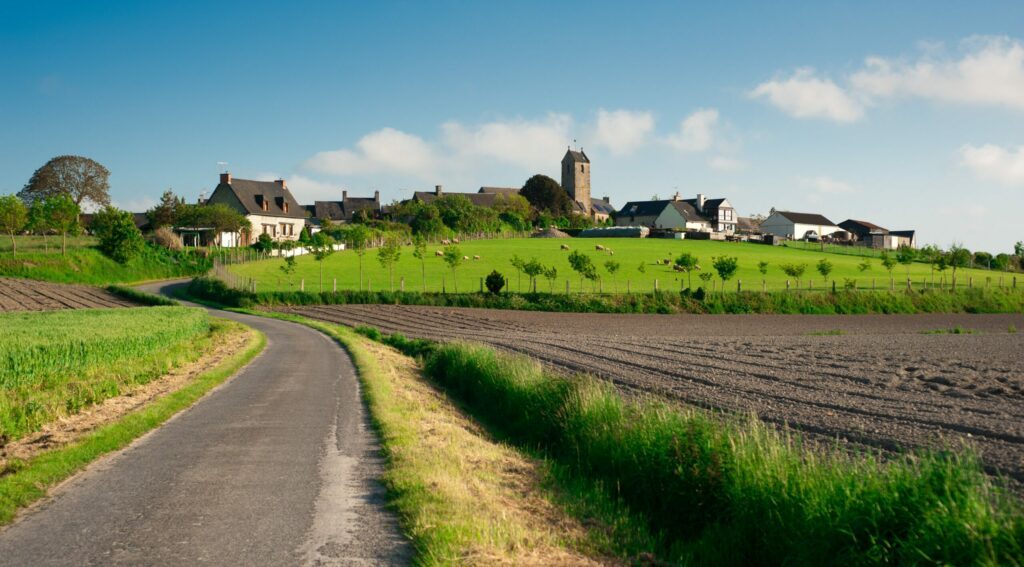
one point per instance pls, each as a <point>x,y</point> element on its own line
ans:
<point>279,228</point>
<point>781,226</point>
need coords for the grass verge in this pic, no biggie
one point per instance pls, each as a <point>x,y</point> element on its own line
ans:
<point>734,491</point>
<point>141,297</point>
<point>87,265</point>
<point>28,481</point>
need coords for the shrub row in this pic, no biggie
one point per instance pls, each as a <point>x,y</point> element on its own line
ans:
<point>734,491</point>
<point>842,302</point>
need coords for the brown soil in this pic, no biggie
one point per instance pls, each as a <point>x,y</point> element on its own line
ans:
<point>32,295</point>
<point>883,382</point>
<point>74,427</point>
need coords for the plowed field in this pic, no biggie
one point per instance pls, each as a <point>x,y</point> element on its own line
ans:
<point>31,295</point>
<point>883,381</point>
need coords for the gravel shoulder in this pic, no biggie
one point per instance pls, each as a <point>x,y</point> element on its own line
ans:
<point>882,381</point>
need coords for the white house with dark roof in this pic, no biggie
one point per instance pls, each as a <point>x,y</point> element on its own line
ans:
<point>268,205</point>
<point>797,225</point>
<point>699,214</point>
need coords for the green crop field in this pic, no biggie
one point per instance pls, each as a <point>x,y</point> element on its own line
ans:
<point>55,363</point>
<point>629,253</point>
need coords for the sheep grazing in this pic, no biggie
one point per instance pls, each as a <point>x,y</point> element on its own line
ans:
<point>611,252</point>
<point>565,247</point>
<point>465,257</point>
<point>446,242</point>
<point>598,247</point>
<point>476,257</point>
<point>667,261</point>
<point>455,240</point>
<point>438,253</point>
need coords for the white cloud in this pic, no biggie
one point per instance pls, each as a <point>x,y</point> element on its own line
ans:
<point>994,163</point>
<point>622,131</point>
<point>521,142</point>
<point>803,95</point>
<point>696,132</point>
<point>989,72</point>
<point>826,185</point>
<point>725,163</point>
<point>384,150</point>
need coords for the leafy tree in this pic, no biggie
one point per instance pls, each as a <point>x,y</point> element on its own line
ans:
<point>13,218</point>
<point>1018,249</point>
<point>119,238</point>
<point>494,282</point>
<point>888,261</point>
<point>906,255</point>
<point>82,179</point>
<point>518,263</point>
<point>264,243</point>
<point>706,278</point>
<point>546,195</point>
<point>795,271</point>
<point>982,259</point>
<point>930,254</point>
<point>512,204</point>
<point>941,263</point>
<point>612,266</point>
<point>165,213</point>
<point>726,267</point>
<point>62,215</point>
<point>533,269</point>
<point>959,257</point>
<point>582,265</point>
<point>419,251</point>
<point>1001,262</point>
<point>322,246</point>
<point>358,239</point>
<point>219,218</point>
<point>825,268</point>
<point>762,266</point>
<point>39,222</point>
<point>289,265</point>
<point>453,257</point>
<point>305,237</point>
<point>388,256</point>
<point>551,274</point>
<point>688,263</point>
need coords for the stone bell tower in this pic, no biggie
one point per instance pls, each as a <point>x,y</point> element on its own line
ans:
<point>576,177</point>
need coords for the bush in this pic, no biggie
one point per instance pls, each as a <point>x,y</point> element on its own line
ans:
<point>120,239</point>
<point>166,238</point>
<point>495,282</point>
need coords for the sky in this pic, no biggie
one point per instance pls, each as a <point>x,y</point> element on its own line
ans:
<point>909,115</point>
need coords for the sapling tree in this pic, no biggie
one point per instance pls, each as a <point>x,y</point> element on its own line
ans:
<point>888,262</point>
<point>582,265</point>
<point>322,246</point>
<point>533,269</point>
<point>824,268</point>
<point>38,222</point>
<point>62,214</point>
<point>706,277</point>
<point>688,263</point>
<point>959,257</point>
<point>865,265</point>
<point>13,218</point>
<point>453,257</point>
<point>358,239</point>
<point>612,266</point>
<point>795,271</point>
<point>419,251</point>
<point>906,255</point>
<point>518,264</point>
<point>551,274</point>
<point>388,255</point>
<point>726,266</point>
<point>642,268</point>
<point>762,267</point>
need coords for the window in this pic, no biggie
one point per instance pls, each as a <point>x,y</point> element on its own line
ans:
<point>582,168</point>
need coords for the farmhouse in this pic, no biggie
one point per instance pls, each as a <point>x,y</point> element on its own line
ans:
<point>699,214</point>
<point>874,236</point>
<point>345,209</point>
<point>268,205</point>
<point>797,225</point>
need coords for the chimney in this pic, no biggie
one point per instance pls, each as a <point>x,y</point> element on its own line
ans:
<point>438,190</point>
<point>700,202</point>
<point>677,197</point>
<point>282,183</point>
<point>376,196</point>
<point>226,178</point>
<point>606,199</point>
<point>344,195</point>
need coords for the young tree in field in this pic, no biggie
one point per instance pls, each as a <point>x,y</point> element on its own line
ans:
<point>959,257</point>
<point>532,269</point>
<point>80,178</point>
<point>688,263</point>
<point>322,246</point>
<point>762,267</point>
<point>795,271</point>
<point>358,240</point>
<point>706,278</point>
<point>388,256</point>
<point>39,222</point>
<point>494,282</point>
<point>551,274</point>
<point>62,213</point>
<point>930,254</point>
<point>419,251</point>
<point>13,218</point>
<point>453,257</point>
<point>726,266</point>
<point>119,238</point>
<point>289,265</point>
<point>1001,262</point>
<point>941,264</point>
<point>888,261</point>
<point>1018,249</point>
<point>518,263</point>
<point>824,268</point>
<point>612,266</point>
<point>582,265</point>
<point>906,255</point>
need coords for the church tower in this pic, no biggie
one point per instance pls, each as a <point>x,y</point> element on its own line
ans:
<point>576,177</point>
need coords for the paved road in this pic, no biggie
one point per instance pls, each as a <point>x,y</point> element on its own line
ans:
<point>276,467</point>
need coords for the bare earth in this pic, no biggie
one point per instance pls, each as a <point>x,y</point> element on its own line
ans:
<point>884,382</point>
<point>30,295</point>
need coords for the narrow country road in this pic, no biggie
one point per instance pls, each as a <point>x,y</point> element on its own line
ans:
<point>276,467</point>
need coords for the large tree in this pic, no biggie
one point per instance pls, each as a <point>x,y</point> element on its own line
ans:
<point>166,212</point>
<point>546,195</point>
<point>82,179</point>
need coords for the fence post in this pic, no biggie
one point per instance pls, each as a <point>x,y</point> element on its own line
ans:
<point>254,286</point>
<point>970,282</point>
<point>567,287</point>
<point>1000,282</point>
<point>739,286</point>
<point>627,287</point>
<point>810,284</point>
<point>655,284</point>
<point>401,284</point>
<point>872,284</point>
<point>833,286</point>
<point>302,284</point>
<point>1014,282</point>
<point>910,287</point>
<point>443,289</point>
<point>787,285</point>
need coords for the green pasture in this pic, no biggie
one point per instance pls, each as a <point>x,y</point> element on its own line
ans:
<point>629,253</point>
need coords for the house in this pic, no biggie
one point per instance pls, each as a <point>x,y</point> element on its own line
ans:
<point>699,214</point>
<point>874,236</point>
<point>345,209</point>
<point>797,225</point>
<point>268,206</point>
<point>747,225</point>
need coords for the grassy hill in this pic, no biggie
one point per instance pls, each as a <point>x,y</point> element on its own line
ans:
<point>630,253</point>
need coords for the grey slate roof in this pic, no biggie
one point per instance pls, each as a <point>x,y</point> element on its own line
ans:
<point>500,190</point>
<point>345,209</point>
<point>478,199</point>
<point>806,218</point>
<point>861,228</point>
<point>602,207</point>
<point>578,157</point>
<point>252,194</point>
<point>655,208</point>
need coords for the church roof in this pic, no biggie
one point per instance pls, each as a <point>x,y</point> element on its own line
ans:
<point>578,157</point>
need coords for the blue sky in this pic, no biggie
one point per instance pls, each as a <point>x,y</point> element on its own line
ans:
<point>908,115</point>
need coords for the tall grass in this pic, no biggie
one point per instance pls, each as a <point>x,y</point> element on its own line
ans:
<point>88,265</point>
<point>720,490</point>
<point>55,363</point>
